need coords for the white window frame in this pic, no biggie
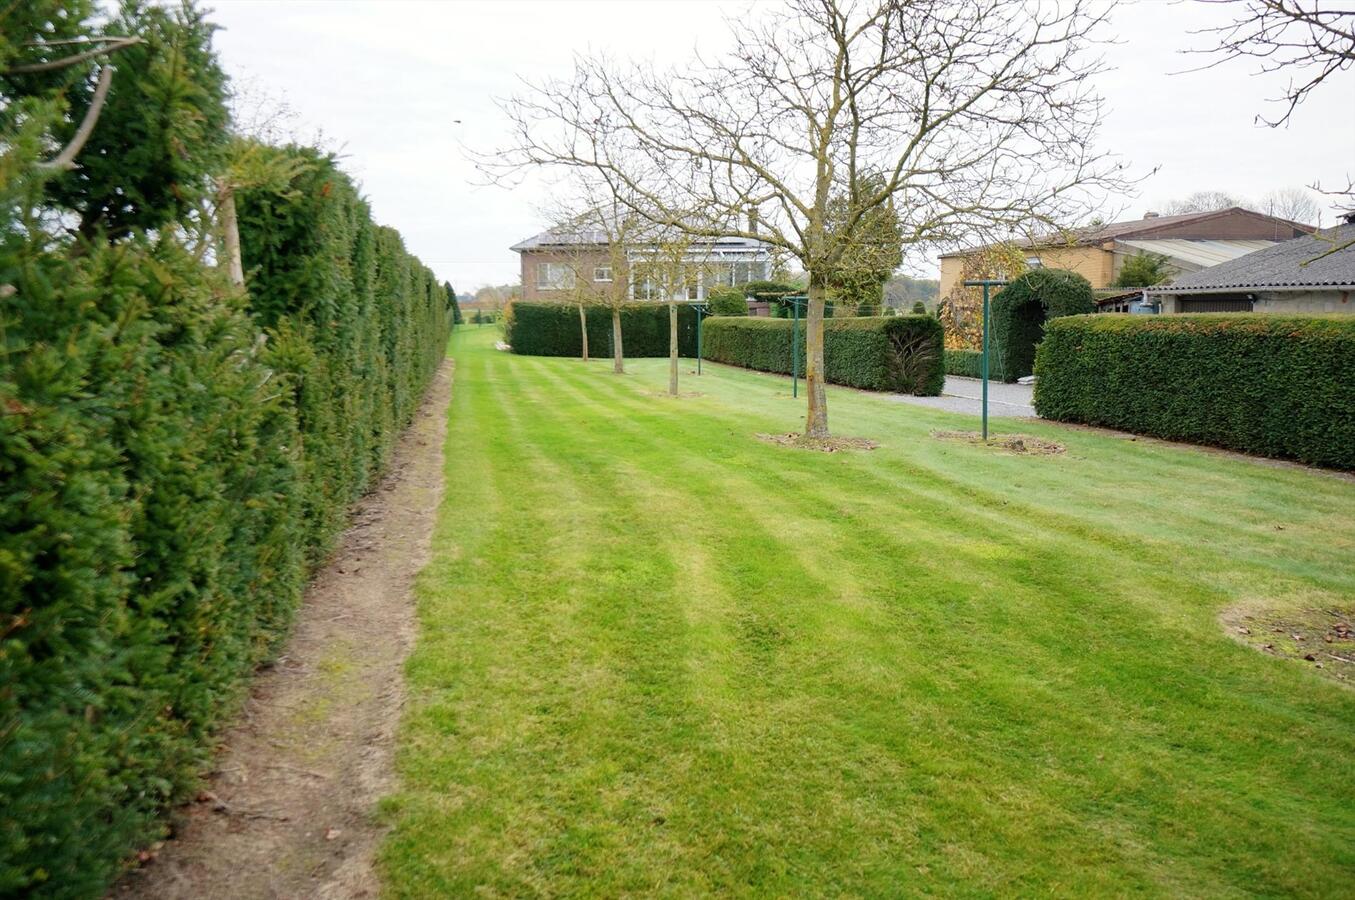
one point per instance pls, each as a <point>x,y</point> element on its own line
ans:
<point>554,276</point>
<point>599,278</point>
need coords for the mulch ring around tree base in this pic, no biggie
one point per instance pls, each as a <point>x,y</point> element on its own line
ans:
<point>1013,443</point>
<point>1322,638</point>
<point>681,395</point>
<point>823,445</point>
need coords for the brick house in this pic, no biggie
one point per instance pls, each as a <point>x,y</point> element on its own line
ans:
<point>562,263</point>
<point>1191,242</point>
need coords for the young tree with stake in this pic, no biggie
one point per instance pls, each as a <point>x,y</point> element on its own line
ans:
<point>976,116</point>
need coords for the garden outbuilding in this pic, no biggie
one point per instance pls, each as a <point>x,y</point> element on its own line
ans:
<point>1310,274</point>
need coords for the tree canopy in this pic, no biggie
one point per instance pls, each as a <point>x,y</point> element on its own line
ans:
<point>971,118</point>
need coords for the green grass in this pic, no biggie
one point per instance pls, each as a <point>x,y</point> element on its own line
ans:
<point>659,656</point>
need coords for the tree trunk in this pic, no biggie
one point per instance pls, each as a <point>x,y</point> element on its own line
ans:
<point>230,233</point>
<point>583,330</point>
<point>617,356</point>
<point>672,350</point>
<point>816,420</point>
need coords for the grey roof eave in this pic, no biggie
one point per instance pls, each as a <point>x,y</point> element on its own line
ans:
<point>1243,286</point>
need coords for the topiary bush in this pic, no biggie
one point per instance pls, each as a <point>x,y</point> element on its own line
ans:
<point>552,329</point>
<point>1266,384</point>
<point>769,290</point>
<point>727,301</point>
<point>1020,310</point>
<point>901,354</point>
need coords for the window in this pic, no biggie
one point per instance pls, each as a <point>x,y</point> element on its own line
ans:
<point>745,272</point>
<point>1215,303</point>
<point>1034,262</point>
<point>552,276</point>
<point>602,273</point>
<point>647,289</point>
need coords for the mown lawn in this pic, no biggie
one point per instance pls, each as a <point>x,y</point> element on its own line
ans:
<point>659,656</point>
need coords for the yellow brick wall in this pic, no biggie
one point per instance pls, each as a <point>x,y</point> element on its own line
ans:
<point>1096,264</point>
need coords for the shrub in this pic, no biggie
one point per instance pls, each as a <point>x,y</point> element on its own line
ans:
<point>1144,270</point>
<point>552,329</point>
<point>1265,384</point>
<point>900,353</point>
<point>727,301</point>
<point>968,363</point>
<point>770,290</point>
<point>173,454</point>
<point>1019,313</point>
<point>919,308</point>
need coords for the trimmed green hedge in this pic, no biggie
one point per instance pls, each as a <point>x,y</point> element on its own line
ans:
<point>1019,314</point>
<point>727,301</point>
<point>1266,384</point>
<point>174,455</point>
<point>968,363</point>
<point>552,329</point>
<point>901,354</point>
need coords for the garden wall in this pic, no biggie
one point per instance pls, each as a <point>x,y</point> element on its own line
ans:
<point>1266,384</point>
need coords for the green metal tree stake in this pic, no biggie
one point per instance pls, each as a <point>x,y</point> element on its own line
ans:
<point>700,315</point>
<point>986,284</point>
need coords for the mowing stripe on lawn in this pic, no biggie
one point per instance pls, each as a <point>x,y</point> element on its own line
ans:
<point>660,656</point>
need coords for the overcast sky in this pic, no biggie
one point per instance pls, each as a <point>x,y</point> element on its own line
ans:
<point>386,81</point>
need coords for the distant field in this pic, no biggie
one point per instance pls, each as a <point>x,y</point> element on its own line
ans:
<point>658,655</point>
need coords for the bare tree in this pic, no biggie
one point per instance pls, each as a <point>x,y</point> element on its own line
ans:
<point>1308,40</point>
<point>1203,201</point>
<point>976,116</point>
<point>600,233</point>
<point>669,264</point>
<point>1294,204</point>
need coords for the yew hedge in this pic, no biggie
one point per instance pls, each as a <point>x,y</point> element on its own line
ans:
<point>174,457</point>
<point>1021,310</point>
<point>901,354</point>
<point>1265,384</point>
<point>552,329</point>
<point>968,363</point>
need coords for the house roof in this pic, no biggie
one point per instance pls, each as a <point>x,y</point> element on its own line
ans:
<point>1196,253</point>
<point>1302,263</point>
<point>1212,225</point>
<point>581,236</point>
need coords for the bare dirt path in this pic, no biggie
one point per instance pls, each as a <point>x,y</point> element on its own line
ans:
<point>289,811</point>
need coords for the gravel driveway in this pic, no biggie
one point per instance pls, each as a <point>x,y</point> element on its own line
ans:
<point>965,395</point>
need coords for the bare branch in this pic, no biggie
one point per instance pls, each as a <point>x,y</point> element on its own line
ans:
<point>1303,38</point>
<point>112,45</point>
<point>964,118</point>
<point>65,160</point>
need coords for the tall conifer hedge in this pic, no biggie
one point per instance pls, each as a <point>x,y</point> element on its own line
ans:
<point>174,457</point>
<point>1261,383</point>
<point>552,329</point>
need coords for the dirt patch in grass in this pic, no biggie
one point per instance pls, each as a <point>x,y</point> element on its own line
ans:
<point>1013,443</point>
<point>822,445</point>
<point>681,395</point>
<point>1322,638</point>
<point>290,809</point>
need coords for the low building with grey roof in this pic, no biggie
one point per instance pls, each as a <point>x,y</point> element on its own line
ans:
<point>1310,274</point>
